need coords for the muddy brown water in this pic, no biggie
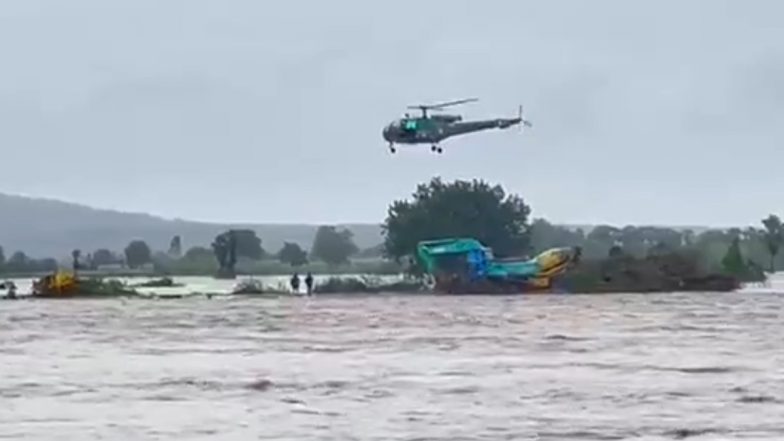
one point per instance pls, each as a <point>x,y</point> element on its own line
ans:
<point>557,367</point>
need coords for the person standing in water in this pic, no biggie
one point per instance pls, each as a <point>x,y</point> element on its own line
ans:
<point>295,283</point>
<point>309,283</point>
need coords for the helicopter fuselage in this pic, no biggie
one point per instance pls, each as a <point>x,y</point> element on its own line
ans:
<point>436,128</point>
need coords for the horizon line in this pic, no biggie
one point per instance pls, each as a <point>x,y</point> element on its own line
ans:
<point>344,223</point>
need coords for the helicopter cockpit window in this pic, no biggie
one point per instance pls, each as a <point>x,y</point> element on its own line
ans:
<point>410,125</point>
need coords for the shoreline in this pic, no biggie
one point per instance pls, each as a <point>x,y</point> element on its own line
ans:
<point>587,280</point>
<point>352,296</point>
<point>182,292</point>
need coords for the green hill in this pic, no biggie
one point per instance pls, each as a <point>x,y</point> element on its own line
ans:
<point>45,227</point>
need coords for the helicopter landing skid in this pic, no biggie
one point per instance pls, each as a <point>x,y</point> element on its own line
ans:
<point>392,148</point>
<point>436,148</point>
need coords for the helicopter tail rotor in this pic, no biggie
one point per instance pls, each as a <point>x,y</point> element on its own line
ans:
<point>523,121</point>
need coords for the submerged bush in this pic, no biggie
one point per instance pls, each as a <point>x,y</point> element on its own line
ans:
<point>164,282</point>
<point>675,271</point>
<point>254,286</point>
<point>366,285</point>
<point>103,287</point>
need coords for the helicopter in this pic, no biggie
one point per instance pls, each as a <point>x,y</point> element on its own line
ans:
<point>432,129</point>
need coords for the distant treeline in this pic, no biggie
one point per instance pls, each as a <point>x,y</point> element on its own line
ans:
<point>333,251</point>
<point>437,210</point>
<point>337,255</point>
<point>758,246</point>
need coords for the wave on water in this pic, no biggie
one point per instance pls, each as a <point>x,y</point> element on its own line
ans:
<point>431,367</point>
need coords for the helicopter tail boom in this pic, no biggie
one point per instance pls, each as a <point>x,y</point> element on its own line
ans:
<point>519,120</point>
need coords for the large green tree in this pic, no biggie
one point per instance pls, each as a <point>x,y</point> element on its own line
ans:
<point>441,210</point>
<point>137,254</point>
<point>292,254</point>
<point>773,237</point>
<point>233,244</point>
<point>333,246</point>
<point>248,244</point>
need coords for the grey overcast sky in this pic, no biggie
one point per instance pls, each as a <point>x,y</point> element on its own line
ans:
<point>245,110</point>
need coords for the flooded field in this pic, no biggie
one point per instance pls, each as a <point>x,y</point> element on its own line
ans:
<point>560,367</point>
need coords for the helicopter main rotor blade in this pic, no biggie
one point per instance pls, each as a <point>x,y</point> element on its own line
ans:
<point>439,106</point>
<point>454,103</point>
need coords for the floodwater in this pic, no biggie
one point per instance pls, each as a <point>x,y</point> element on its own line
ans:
<point>540,367</point>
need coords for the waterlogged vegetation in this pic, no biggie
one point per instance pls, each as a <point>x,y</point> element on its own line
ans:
<point>97,287</point>
<point>164,282</point>
<point>368,284</point>
<point>615,258</point>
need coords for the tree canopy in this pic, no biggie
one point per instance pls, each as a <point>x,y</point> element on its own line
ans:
<point>248,244</point>
<point>734,263</point>
<point>137,254</point>
<point>773,236</point>
<point>292,254</point>
<point>76,256</point>
<point>333,246</point>
<point>545,235</point>
<point>103,257</point>
<point>175,247</point>
<point>198,253</point>
<point>19,262</point>
<point>225,248</point>
<point>459,209</point>
<point>733,260</point>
